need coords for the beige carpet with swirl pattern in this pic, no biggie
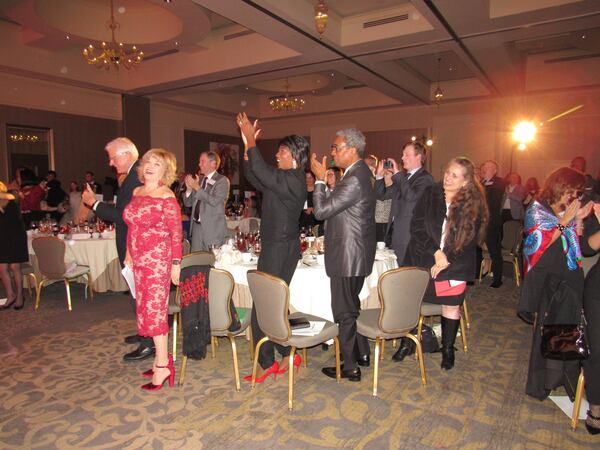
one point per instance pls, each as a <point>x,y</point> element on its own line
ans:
<point>65,386</point>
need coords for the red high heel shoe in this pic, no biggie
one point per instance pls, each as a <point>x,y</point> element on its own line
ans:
<point>157,387</point>
<point>297,362</point>
<point>274,369</point>
<point>150,372</point>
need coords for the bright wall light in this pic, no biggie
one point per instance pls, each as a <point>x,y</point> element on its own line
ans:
<point>524,132</point>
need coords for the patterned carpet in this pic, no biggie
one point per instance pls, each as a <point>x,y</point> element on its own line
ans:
<point>65,386</point>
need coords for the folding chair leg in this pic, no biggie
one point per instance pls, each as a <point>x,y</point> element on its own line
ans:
<point>419,331</point>
<point>394,343</point>
<point>90,286</point>
<point>466,312</point>
<point>255,364</point>
<point>382,349</point>
<point>174,351</point>
<point>419,353</point>
<point>182,371</point>
<point>251,343</point>
<point>236,371</point>
<point>338,370</point>
<point>291,379</point>
<point>39,293</point>
<point>463,334</point>
<point>376,367</point>
<point>68,288</point>
<point>305,356</point>
<point>577,404</point>
<point>213,345</point>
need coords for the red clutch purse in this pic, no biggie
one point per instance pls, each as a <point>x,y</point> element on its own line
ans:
<point>445,289</point>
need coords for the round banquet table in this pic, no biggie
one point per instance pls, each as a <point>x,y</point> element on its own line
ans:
<point>310,290</point>
<point>100,255</point>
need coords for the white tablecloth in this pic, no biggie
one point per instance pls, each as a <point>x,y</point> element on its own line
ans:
<point>100,255</point>
<point>310,290</point>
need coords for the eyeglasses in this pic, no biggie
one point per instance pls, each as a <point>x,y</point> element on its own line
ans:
<point>336,147</point>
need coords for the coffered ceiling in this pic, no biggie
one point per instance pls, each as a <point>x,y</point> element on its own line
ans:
<point>221,55</point>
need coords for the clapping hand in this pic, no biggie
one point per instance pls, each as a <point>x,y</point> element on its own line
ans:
<point>88,197</point>
<point>192,182</point>
<point>318,168</point>
<point>584,211</point>
<point>249,130</point>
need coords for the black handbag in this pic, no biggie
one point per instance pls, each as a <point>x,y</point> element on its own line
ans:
<point>565,341</point>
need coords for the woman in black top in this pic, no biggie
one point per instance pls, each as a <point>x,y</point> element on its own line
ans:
<point>13,248</point>
<point>284,193</point>
<point>448,223</point>
<point>590,245</point>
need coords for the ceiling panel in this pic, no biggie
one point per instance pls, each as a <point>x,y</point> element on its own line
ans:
<point>451,66</point>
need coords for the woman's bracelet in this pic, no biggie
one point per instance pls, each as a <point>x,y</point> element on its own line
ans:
<point>561,227</point>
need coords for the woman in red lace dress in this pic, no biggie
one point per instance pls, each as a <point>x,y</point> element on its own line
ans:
<point>154,252</point>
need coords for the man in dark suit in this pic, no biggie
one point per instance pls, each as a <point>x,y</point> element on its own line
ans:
<point>405,191</point>
<point>89,179</point>
<point>349,214</point>
<point>494,191</point>
<point>123,156</point>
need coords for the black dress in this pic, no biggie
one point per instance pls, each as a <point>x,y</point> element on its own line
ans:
<point>13,244</point>
<point>591,305</point>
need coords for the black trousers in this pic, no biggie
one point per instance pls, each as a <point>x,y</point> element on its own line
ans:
<point>493,242</point>
<point>279,259</point>
<point>591,305</point>
<point>345,306</point>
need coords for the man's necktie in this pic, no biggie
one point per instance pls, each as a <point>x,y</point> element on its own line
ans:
<point>197,208</point>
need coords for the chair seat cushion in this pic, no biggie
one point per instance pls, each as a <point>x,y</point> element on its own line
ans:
<point>367,324</point>
<point>77,271</point>
<point>330,330</point>
<point>430,309</point>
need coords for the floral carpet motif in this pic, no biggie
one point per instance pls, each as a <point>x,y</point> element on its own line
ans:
<point>65,386</point>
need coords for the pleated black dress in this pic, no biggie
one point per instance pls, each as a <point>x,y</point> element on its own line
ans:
<point>13,241</point>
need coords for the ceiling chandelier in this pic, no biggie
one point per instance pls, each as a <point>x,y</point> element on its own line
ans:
<point>321,17</point>
<point>112,54</point>
<point>438,94</point>
<point>20,137</point>
<point>286,103</point>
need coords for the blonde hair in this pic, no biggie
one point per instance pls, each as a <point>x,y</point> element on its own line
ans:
<point>123,145</point>
<point>5,198</point>
<point>168,160</point>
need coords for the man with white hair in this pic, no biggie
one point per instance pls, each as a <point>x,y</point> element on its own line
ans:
<point>123,156</point>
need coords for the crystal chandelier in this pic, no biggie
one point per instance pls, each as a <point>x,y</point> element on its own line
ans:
<point>112,54</point>
<point>321,17</point>
<point>286,103</point>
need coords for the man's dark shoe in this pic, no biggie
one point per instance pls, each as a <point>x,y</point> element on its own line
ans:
<point>350,375</point>
<point>364,361</point>
<point>403,351</point>
<point>139,354</point>
<point>133,339</point>
<point>496,284</point>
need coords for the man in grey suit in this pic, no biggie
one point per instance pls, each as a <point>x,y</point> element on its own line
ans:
<point>207,198</point>
<point>349,214</point>
<point>405,191</point>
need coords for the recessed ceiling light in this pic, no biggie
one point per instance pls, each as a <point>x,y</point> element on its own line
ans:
<point>332,74</point>
<point>313,91</point>
<point>318,81</point>
<point>121,10</point>
<point>176,42</point>
<point>67,37</point>
<point>583,36</point>
<point>450,69</point>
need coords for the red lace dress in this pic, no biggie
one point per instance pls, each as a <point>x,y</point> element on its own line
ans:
<point>153,240</point>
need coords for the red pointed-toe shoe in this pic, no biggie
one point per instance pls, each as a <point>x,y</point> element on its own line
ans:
<point>150,372</point>
<point>297,362</point>
<point>157,387</point>
<point>274,369</point>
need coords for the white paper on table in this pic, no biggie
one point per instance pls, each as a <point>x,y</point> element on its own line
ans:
<point>3,301</point>
<point>129,278</point>
<point>315,328</point>
<point>566,406</point>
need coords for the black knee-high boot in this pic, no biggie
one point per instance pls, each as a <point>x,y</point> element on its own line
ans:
<point>449,330</point>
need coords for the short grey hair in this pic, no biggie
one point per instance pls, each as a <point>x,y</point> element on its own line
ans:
<point>123,145</point>
<point>212,156</point>
<point>353,138</point>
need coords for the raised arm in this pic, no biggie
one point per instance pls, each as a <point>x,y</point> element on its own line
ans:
<point>216,196</point>
<point>249,175</point>
<point>343,196</point>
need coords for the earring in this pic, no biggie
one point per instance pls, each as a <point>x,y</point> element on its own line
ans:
<point>294,164</point>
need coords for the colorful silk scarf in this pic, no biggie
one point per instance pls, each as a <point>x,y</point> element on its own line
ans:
<point>540,225</point>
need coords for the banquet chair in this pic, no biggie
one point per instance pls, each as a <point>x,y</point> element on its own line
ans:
<point>220,289</point>
<point>50,254</point>
<point>190,259</point>
<point>400,294</point>
<point>28,271</point>
<point>271,298</point>
<point>512,239</point>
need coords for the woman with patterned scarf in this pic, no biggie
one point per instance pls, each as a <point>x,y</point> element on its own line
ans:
<point>552,258</point>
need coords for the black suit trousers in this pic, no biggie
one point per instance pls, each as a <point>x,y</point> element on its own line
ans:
<point>345,306</point>
<point>494,245</point>
<point>279,259</point>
